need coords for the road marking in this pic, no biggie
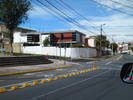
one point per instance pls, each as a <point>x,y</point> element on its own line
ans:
<point>60,69</point>
<point>108,63</point>
<point>112,68</point>
<point>49,75</point>
<point>70,85</point>
<point>90,62</point>
<point>119,57</point>
<point>7,86</point>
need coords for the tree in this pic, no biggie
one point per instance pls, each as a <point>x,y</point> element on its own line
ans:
<point>13,13</point>
<point>114,47</point>
<point>104,43</point>
<point>46,42</point>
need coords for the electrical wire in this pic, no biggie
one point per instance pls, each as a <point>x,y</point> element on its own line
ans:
<point>121,4</point>
<point>61,2</point>
<point>65,16</point>
<point>120,11</point>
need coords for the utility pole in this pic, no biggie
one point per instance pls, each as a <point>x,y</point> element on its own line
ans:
<point>101,32</point>
<point>101,40</point>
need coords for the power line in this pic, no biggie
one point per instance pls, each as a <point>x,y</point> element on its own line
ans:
<point>121,4</point>
<point>65,16</point>
<point>76,12</point>
<point>49,10</point>
<point>112,8</point>
<point>123,35</point>
<point>56,12</point>
<point>130,0</point>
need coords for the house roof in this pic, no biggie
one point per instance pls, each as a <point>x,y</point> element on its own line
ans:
<point>66,31</point>
<point>23,30</point>
<point>91,37</point>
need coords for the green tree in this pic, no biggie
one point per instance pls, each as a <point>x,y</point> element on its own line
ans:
<point>46,42</point>
<point>101,43</point>
<point>13,13</point>
<point>114,47</point>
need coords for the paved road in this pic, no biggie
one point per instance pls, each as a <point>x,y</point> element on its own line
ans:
<point>103,84</point>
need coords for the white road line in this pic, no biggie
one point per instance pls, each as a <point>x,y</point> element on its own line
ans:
<point>70,85</point>
<point>111,68</point>
<point>25,82</point>
<point>119,57</point>
<point>108,63</point>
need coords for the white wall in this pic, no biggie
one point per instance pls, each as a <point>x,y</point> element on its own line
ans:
<point>42,38</point>
<point>70,52</point>
<point>91,42</point>
<point>18,38</point>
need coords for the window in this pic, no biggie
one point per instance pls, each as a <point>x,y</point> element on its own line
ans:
<point>32,38</point>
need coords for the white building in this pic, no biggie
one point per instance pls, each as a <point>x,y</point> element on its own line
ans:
<point>123,48</point>
<point>90,41</point>
<point>32,43</point>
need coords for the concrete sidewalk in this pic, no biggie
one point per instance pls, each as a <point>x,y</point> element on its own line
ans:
<point>14,69</point>
<point>57,63</point>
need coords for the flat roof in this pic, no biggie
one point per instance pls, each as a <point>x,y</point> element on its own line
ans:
<point>46,33</point>
<point>30,33</point>
<point>66,31</point>
<point>24,30</point>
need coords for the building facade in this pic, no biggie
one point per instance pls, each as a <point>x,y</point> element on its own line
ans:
<point>90,41</point>
<point>61,38</point>
<point>66,38</point>
<point>123,47</point>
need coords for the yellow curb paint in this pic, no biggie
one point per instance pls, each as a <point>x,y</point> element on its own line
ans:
<point>77,73</point>
<point>65,76</point>
<point>14,87</point>
<point>61,76</point>
<point>2,90</point>
<point>43,81</point>
<point>26,85</point>
<point>50,79</point>
<point>55,78</point>
<point>31,71</point>
<point>73,74</point>
<point>35,83</point>
<point>69,75</point>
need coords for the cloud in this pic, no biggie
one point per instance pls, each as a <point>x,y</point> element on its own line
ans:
<point>38,12</point>
<point>119,26</point>
<point>118,4</point>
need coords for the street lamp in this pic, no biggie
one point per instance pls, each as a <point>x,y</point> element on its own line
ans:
<point>101,31</point>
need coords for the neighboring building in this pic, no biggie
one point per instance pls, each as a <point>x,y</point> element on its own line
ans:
<point>18,39</point>
<point>130,47</point>
<point>3,37</point>
<point>123,47</point>
<point>17,33</point>
<point>66,37</point>
<point>31,41</point>
<point>90,41</point>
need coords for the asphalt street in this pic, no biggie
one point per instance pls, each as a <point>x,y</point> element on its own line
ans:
<point>102,84</point>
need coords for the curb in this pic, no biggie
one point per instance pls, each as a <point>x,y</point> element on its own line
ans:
<point>31,71</point>
<point>43,81</point>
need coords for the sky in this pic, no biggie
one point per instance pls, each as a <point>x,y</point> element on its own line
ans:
<point>86,16</point>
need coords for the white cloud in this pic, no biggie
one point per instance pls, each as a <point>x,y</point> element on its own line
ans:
<point>38,12</point>
<point>110,28</point>
<point>41,12</point>
<point>118,4</point>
